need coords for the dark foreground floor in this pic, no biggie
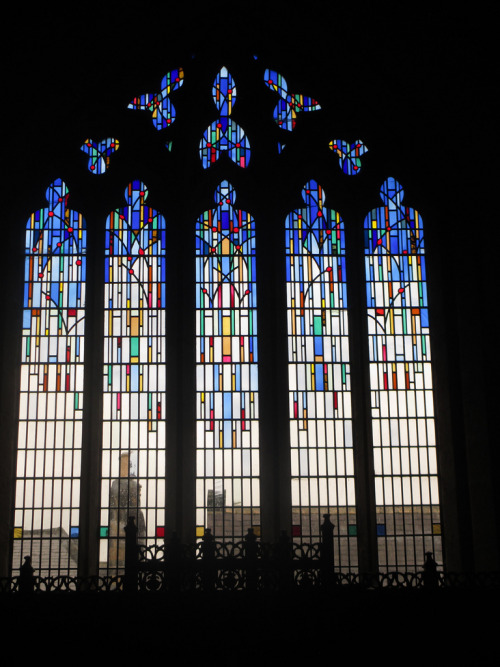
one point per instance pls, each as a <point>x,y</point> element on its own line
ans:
<point>389,627</point>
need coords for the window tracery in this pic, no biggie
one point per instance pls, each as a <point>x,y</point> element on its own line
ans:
<point>135,434</point>
<point>99,153</point>
<point>224,135</point>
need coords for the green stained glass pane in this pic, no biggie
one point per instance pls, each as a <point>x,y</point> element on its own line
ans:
<point>134,346</point>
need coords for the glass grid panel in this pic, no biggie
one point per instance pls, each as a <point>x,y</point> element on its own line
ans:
<point>227,455</point>
<point>46,517</point>
<point>133,456</point>
<point>406,484</point>
<point>319,375</point>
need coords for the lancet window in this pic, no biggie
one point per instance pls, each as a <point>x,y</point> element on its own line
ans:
<point>46,516</point>
<point>227,438</point>
<point>134,432</point>
<point>404,442</point>
<point>319,374</point>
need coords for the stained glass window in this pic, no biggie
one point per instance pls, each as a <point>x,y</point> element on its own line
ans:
<point>223,362</point>
<point>406,484</point>
<point>227,492</point>
<point>290,104</point>
<point>319,374</point>
<point>349,155</point>
<point>99,153</point>
<point>224,135</point>
<point>46,516</point>
<point>134,439</point>
<point>159,104</point>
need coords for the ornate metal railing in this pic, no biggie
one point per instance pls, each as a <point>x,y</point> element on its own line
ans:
<point>249,565</point>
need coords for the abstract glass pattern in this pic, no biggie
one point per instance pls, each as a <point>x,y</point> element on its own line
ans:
<point>406,483</point>
<point>159,104</point>
<point>319,374</point>
<point>46,518</point>
<point>100,153</point>
<point>224,135</point>
<point>290,104</point>
<point>349,155</point>
<point>133,448</point>
<point>227,494</point>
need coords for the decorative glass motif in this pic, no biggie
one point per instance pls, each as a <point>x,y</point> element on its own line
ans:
<point>290,104</point>
<point>100,153</point>
<point>319,374</point>
<point>47,501</point>
<point>349,155</point>
<point>227,493</point>
<point>133,448</point>
<point>406,483</point>
<point>159,104</point>
<point>224,135</point>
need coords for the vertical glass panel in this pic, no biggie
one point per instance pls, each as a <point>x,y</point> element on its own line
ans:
<point>406,486</point>
<point>133,451</point>
<point>46,516</point>
<point>319,375</point>
<point>227,497</point>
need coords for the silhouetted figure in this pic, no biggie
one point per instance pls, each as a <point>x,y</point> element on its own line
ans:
<point>327,528</point>
<point>26,576</point>
<point>208,563</point>
<point>326,553</point>
<point>430,576</point>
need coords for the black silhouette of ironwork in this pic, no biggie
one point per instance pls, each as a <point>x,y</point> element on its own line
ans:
<point>250,565</point>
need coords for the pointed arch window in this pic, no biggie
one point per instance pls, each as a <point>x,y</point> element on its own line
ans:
<point>406,483</point>
<point>46,518</point>
<point>219,382</point>
<point>319,374</point>
<point>134,434</point>
<point>227,442</point>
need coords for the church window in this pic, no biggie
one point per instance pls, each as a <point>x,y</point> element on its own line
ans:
<point>46,517</point>
<point>227,441</point>
<point>327,383</point>
<point>159,104</point>
<point>224,135</point>
<point>134,433</point>
<point>319,374</point>
<point>404,446</point>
